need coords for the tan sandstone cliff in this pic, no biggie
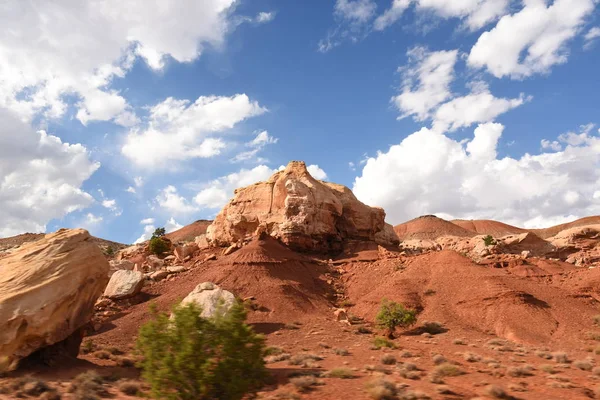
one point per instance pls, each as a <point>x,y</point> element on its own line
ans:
<point>47,291</point>
<point>305,213</point>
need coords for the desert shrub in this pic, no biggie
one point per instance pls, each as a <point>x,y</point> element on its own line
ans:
<point>273,351</point>
<point>380,342</point>
<point>124,361</point>
<point>102,354</point>
<point>304,359</point>
<point>87,347</point>
<point>363,330</point>
<point>488,240</point>
<point>560,357</point>
<point>157,245</point>
<point>438,359</point>
<point>304,383</point>
<point>381,389</point>
<point>519,372</point>
<point>547,368</point>
<point>543,354</point>
<point>433,327</point>
<point>50,395</point>
<point>388,359</point>
<point>190,357</point>
<point>341,352</point>
<point>130,388</point>
<point>277,357</point>
<point>392,315</point>
<point>444,370</point>
<point>459,342</point>
<point>596,319</point>
<point>583,365</point>
<point>88,386</point>
<point>341,373</point>
<point>496,392</point>
<point>471,357</point>
<point>110,251</point>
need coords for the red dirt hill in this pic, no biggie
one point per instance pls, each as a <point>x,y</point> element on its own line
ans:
<point>189,232</point>
<point>429,227</point>
<point>554,230</point>
<point>488,227</point>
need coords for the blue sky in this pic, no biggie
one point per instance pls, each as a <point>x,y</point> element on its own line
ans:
<point>152,116</point>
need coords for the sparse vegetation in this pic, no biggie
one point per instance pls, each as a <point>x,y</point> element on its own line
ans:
<point>433,327</point>
<point>305,359</point>
<point>341,352</point>
<point>583,365</point>
<point>130,388</point>
<point>87,347</point>
<point>496,392</point>
<point>381,389</point>
<point>190,357</point>
<point>158,246</point>
<point>102,354</point>
<point>489,240</point>
<point>341,373</point>
<point>560,357</point>
<point>459,342</point>
<point>444,370</point>
<point>597,319</point>
<point>304,383</point>
<point>520,371</point>
<point>273,351</point>
<point>380,342</point>
<point>392,315</point>
<point>439,359</point>
<point>363,330</point>
<point>88,386</point>
<point>388,359</point>
<point>471,357</point>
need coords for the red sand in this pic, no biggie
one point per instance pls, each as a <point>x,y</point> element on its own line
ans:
<point>488,227</point>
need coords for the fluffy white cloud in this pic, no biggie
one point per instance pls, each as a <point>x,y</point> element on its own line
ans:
<point>429,173</point>
<point>317,172</point>
<point>359,11</point>
<point>146,235</point>
<point>591,36</point>
<point>216,193</point>
<point>532,40</point>
<point>170,200</point>
<point>257,144</point>
<point>552,145</point>
<point>264,17</point>
<point>147,221</point>
<point>41,60</point>
<point>426,93</point>
<point>178,130</point>
<point>476,13</point>
<point>91,219</point>
<point>476,107</point>
<point>111,204</point>
<point>172,225</point>
<point>426,82</point>
<point>391,15</point>
<point>40,177</point>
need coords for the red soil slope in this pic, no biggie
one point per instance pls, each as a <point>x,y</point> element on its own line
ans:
<point>429,227</point>
<point>518,303</point>
<point>488,227</point>
<point>189,232</point>
<point>554,230</point>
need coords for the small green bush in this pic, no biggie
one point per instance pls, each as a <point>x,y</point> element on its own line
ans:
<point>489,240</point>
<point>187,357</point>
<point>158,246</point>
<point>159,232</point>
<point>392,315</point>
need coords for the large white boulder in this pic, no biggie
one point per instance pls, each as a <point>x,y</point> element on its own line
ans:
<point>124,284</point>
<point>211,298</point>
<point>48,289</point>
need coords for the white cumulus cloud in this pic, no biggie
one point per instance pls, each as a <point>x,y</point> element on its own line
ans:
<point>532,40</point>
<point>430,173</point>
<point>179,130</point>
<point>40,177</point>
<point>257,144</point>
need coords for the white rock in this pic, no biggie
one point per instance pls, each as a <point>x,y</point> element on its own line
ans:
<point>210,298</point>
<point>176,269</point>
<point>124,284</point>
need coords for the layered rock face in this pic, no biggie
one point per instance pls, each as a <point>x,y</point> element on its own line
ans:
<point>303,212</point>
<point>47,291</point>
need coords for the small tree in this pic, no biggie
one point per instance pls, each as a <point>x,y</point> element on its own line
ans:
<point>159,232</point>
<point>187,357</point>
<point>392,315</point>
<point>489,240</point>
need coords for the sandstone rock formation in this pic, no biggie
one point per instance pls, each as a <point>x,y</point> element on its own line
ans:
<point>210,298</point>
<point>124,284</point>
<point>47,291</point>
<point>304,213</point>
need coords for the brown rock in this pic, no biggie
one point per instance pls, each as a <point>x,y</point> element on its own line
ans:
<point>48,289</point>
<point>159,275</point>
<point>124,284</point>
<point>185,251</point>
<point>230,249</point>
<point>210,257</point>
<point>303,212</point>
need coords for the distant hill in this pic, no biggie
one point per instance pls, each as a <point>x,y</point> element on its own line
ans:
<point>554,230</point>
<point>429,227</point>
<point>9,242</point>
<point>488,227</point>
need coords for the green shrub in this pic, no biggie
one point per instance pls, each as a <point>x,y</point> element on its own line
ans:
<point>158,232</point>
<point>392,315</point>
<point>380,342</point>
<point>488,240</point>
<point>158,246</point>
<point>190,357</point>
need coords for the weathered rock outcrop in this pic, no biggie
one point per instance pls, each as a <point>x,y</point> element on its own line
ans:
<point>304,213</point>
<point>124,284</point>
<point>47,291</point>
